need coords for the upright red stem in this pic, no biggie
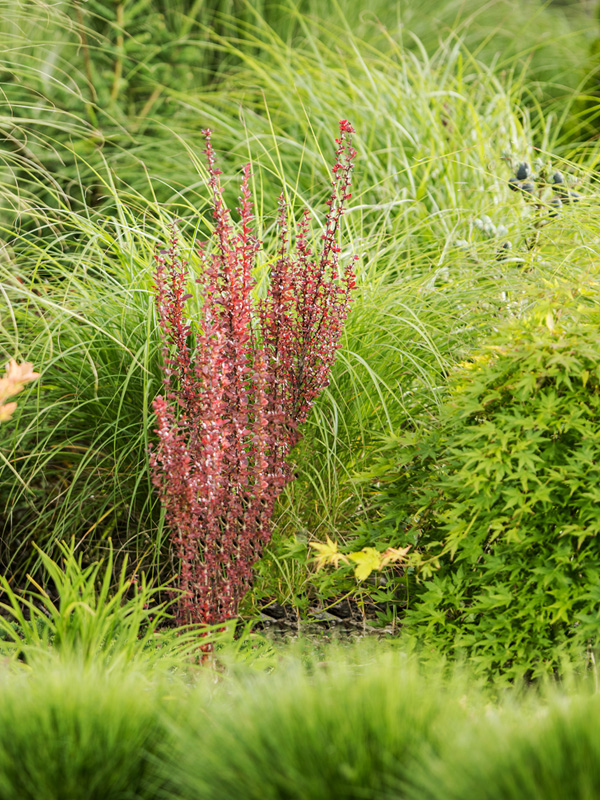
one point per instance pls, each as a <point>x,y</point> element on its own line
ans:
<point>238,385</point>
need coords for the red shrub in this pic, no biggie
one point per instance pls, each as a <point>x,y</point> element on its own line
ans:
<point>237,384</point>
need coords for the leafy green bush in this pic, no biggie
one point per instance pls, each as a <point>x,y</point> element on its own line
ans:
<point>505,492</point>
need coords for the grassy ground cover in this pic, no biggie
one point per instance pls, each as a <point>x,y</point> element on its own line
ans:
<point>352,721</point>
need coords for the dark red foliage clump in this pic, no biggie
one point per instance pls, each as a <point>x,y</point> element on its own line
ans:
<point>238,383</point>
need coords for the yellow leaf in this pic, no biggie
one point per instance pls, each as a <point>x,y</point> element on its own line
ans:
<point>366,561</point>
<point>394,555</point>
<point>328,553</point>
<point>550,320</point>
<point>585,375</point>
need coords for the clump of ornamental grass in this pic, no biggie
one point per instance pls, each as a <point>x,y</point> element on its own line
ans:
<point>541,748</point>
<point>239,381</point>
<point>84,618</point>
<point>351,724</point>
<point>68,732</point>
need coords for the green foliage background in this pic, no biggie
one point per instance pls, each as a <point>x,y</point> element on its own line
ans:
<point>100,130</point>
<point>503,492</point>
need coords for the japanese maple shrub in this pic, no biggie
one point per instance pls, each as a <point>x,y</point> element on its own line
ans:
<point>505,492</point>
<point>238,380</point>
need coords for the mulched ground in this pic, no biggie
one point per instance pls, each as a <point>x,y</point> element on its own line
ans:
<point>343,617</point>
